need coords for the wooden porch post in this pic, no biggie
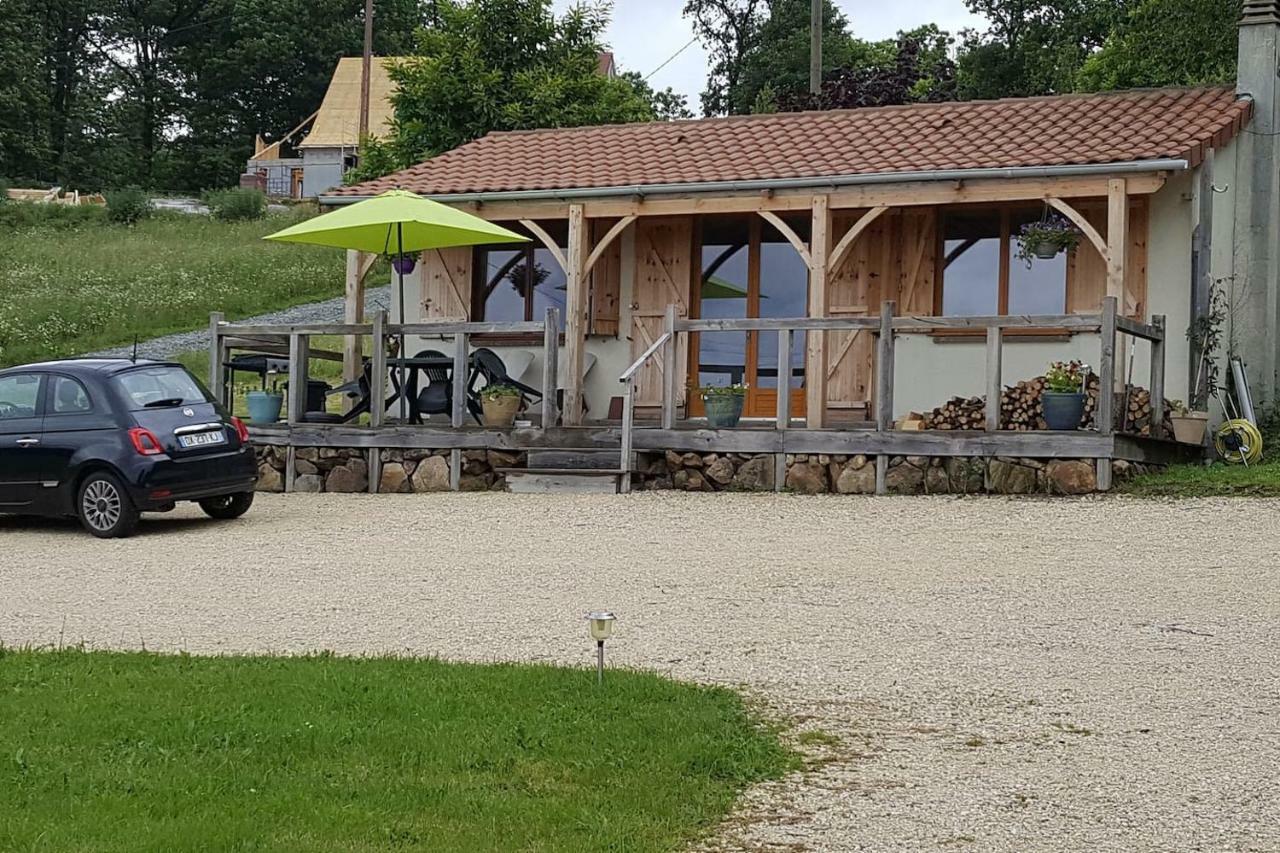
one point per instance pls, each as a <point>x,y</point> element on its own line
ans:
<point>1157,379</point>
<point>378,370</point>
<point>1117,246</point>
<point>358,266</point>
<point>217,359</point>
<point>815,374</point>
<point>575,327</point>
<point>1104,417</point>
<point>299,355</point>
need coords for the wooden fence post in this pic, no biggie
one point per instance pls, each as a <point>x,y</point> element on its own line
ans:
<point>994,377</point>
<point>378,370</point>
<point>1104,418</point>
<point>1157,378</point>
<point>550,367</point>
<point>460,376</point>
<point>299,354</point>
<point>884,387</point>
<point>669,378</point>
<point>217,362</point>
<point>628,416</point>
<point>783,422</point>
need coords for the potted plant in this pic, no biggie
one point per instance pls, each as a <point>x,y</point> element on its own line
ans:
<point>1047,239</point>
<point>723,404</point>
<point>264,405</point>
<point>1189,425</point>
<point>500,404</point>
<point>1063,395</point>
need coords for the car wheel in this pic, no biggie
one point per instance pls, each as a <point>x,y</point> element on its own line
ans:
<point>104,507</point>
<point>227,506</point>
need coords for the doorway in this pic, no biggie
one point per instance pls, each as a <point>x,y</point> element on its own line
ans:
<point>748,270</point>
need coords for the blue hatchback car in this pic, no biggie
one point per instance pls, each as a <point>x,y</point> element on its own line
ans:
<point>108,439</point>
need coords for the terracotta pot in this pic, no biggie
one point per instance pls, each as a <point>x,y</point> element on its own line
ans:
<point>1190,428</point>
<point>500,411</point>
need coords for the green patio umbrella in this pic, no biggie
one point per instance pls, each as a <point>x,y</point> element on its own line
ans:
<point>397,223</point>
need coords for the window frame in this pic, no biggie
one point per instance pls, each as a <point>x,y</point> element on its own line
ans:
<point>1006,212</point>
<point>479,281</point>
<point>42,385</point>
<point>51,398</point>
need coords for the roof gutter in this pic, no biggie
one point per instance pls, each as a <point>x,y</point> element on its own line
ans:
<point>1068,171</point>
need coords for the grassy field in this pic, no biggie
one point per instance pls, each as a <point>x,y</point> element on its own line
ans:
<point>1199,481</point>
<point>69,286</point>
<point>128,752</point>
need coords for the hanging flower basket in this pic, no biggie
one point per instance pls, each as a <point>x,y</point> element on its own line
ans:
<point>404,264</point>
<point>1046,239</point>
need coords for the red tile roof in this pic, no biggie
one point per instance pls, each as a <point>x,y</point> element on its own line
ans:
<point>1024,132</point>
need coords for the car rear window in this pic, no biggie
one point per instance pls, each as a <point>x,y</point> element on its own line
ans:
<point>152,386</point>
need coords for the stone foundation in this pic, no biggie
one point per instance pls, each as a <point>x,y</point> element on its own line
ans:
<point>341,469</point>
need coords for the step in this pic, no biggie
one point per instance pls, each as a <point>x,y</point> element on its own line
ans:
<point>574,459</point>
<point>525,481</point>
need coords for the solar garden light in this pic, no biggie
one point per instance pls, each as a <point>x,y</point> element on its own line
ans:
<point>600,624</point>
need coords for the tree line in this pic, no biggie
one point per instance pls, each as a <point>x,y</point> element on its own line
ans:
<point>169,94</point>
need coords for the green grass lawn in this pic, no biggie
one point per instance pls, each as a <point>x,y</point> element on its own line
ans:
<point>69,286</point>
<point>140,752</point>
<point>1196,481</point>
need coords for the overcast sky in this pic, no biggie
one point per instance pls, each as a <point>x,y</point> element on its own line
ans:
<point>645,33</point>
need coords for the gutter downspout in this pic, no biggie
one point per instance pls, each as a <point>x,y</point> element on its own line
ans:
<point>1068,171</point>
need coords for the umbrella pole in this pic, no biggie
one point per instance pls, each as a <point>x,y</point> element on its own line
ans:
<point>404,388</point>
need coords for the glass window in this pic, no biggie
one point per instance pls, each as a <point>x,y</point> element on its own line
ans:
<point>1038,287</point>
<point>784,292</point>
<point>68,396</point>
<point>971,264</point>
<point>518,285</point>
<point>19,394</point>
<point>726,252</point>
<point>161,387</point>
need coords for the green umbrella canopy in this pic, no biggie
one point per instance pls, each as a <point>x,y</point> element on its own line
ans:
<point>378,224</point>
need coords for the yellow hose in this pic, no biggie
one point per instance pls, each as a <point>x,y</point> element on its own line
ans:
<point>1250,442</point>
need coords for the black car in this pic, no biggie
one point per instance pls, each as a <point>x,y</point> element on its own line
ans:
<point>107,439</point>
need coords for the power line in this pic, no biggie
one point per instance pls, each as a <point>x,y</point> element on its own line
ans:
<point>670,58</point>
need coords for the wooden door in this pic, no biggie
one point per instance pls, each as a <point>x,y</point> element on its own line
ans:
<point>663,265</point>
<point>854,290</point>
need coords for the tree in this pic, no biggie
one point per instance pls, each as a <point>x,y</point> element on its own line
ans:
<point>667,104</point>
<point>728,29</point>
<point>504,65</point>
<point>1032,47</point>
<point>1167,43</point>
<point>919,69</point>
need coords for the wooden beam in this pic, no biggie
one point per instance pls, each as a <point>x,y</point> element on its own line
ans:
<point>298,357</point>
<point>1117,237</point>
<point>850,237</point>
<point>670,361</point>
<point>1156,385</point>
<point>906,193</point>
<point>358,266</point>
<point>378,369</point>
<point>550,366</point>
<point>783,415</point>
<point>542,235</point>
<point>1086,227</point>
<point>1149,331</point>
<point>461,373</point>
<point>217,352</point>
<point>577,305</point>
<point>994,378</point>
<point>816,341</point>
<point>787,231</point>
<point>884,368</point>
<point>609,236</point>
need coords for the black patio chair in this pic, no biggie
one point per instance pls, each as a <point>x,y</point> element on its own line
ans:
<point>437,397</point>
<point>488,365</point>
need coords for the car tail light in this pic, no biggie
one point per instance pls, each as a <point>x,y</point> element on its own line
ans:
<point>145,441</point>
<point>241,430</point>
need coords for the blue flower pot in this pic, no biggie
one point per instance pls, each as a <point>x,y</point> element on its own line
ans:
<point>723,410</point>
<point>264,407</point>
<point>1062,411</point>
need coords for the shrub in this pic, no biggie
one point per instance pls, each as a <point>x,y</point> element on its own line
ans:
<point>26,214</point>
<point>4,190</point>
<point>236,205</point>
<point>127,206</point>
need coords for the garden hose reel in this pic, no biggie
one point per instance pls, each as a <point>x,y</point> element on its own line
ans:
<point>1238,442</point>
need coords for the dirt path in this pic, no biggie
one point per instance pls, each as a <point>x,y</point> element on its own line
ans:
<point>1095,674</point>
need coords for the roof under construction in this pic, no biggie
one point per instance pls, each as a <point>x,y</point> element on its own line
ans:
<point>337,123</point>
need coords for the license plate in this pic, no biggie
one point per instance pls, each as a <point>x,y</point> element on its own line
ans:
<point>202,439</point>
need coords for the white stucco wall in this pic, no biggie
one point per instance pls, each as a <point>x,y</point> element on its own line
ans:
<point>321,170</point>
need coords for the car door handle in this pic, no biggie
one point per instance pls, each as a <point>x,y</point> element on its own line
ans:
<point>28,442</point>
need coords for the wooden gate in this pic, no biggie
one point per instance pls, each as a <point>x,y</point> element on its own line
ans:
<point>664,254</point>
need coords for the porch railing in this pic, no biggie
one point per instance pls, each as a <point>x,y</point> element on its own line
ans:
<point>886,327</point>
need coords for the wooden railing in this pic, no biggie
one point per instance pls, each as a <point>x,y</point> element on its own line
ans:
<point>294,341</point>
<point>886,327</point>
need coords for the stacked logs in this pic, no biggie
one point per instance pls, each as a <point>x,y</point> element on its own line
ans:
<point>1021,409</point>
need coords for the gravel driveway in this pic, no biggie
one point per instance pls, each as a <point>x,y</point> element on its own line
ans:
<point>1094,674</point>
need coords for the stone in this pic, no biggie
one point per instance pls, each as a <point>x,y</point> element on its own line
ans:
<point>1071,478</point>
<point>857,479</point>
<point>311,454</point>
<point>709,458</point>
<point>1010,478</point>
<point>754,475</point>
<point>691,460</point>
<point>475,483</point>
<point>1032,463</point>
<point>936,481</point>
<point>918,461</point>
<point>904,480</point>
<point>395,480</point>
<point>431,475</point>
<point>503,458</point>
<point>308,483</point>
<point>857,461</point>
<point>349,478</point>
<point>475,467</point>
<point>390,455</point>
<point>416,455</point>
<point>824,459</point>
<point>720,471</point>
<point>938,461</point>
<point>269,479</point>
<point>659,483</point>
<point>690,481</point>
<point>807,478</point>
<point>1121,469</point>
<point>302,466</point>
<point>967,476</point>
<point>330,453</point>
<point>674,460</point>
<point>475,455</point>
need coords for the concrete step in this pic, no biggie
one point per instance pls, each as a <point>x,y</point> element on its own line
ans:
<point>576,459</point>
<point>541,481</point>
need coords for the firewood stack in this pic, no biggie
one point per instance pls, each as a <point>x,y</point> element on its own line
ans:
<point>1021,410</point>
